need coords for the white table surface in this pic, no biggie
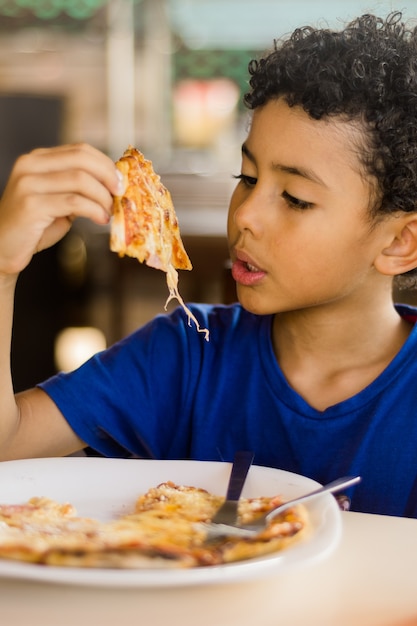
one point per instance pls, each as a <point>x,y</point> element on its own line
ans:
<point>370,579</point>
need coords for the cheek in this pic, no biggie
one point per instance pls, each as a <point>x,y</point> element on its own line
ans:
<point>331,260</point>
<point>307,255</point>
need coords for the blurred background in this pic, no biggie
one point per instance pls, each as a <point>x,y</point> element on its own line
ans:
<point>166,76</point>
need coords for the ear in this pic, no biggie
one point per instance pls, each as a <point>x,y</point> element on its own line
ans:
<point>400,255</point>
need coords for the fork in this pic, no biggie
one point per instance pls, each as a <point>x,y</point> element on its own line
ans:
<point>254,528</point>
<point>227,513</point>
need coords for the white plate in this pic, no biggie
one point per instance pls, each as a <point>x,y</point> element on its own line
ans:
<point>104,488</point>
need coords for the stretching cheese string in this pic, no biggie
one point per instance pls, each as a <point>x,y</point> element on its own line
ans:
<point>172,282</point>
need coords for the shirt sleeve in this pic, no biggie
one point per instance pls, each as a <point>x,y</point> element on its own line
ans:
<point>135,397</point>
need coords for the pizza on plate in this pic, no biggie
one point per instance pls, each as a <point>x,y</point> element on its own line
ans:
<point>145,226</point>
<point>163,530</point>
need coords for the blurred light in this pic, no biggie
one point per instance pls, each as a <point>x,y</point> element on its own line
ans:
<point>75,345</point>
<point>203,109</point>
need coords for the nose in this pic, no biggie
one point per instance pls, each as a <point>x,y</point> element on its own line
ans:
<point>245,213</point>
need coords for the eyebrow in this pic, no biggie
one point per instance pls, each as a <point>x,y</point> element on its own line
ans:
<point>288,169</point>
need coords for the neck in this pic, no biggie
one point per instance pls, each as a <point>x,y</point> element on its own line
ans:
<point>329,354</point>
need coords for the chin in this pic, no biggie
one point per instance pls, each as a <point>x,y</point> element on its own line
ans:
<point>260,303</point>
<point>253,302</point>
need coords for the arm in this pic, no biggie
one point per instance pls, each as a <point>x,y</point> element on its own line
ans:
<point>46,190</point>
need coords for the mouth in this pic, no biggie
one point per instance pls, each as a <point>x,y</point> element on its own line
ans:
<point>252,268</point>
<point>247,261</point>
<point>246,272</point>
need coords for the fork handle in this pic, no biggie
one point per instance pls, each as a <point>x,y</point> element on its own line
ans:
<point>241,464</point>
<point>334,486</point>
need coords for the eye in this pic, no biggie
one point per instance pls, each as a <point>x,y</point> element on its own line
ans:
<point>248,181</point>
<point>295,202</point>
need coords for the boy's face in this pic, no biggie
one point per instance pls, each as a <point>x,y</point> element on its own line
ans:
<point>299,228</point>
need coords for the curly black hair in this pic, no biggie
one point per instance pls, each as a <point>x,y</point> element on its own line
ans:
<point>365,73</point>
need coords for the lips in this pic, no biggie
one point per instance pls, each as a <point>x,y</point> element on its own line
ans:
<point>245,271</point>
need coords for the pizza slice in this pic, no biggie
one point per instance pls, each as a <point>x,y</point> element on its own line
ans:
<point>145,226</point>
<point>164,530</point>
<point>170,504</point>
<point>31,531</point>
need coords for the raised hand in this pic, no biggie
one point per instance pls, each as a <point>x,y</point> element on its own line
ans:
<point>46,190</point>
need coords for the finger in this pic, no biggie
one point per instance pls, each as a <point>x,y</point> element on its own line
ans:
<point>72,205</point>
<point>69,157</point>
<point>63,193</point>
<point>53,233</point>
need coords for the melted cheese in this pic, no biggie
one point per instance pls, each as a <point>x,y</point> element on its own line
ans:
<point>172,282</point>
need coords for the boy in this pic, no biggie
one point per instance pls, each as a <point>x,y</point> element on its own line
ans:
<point>315,369</point>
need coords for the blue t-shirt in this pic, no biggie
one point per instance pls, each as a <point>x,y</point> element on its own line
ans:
<point>165,393</point>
